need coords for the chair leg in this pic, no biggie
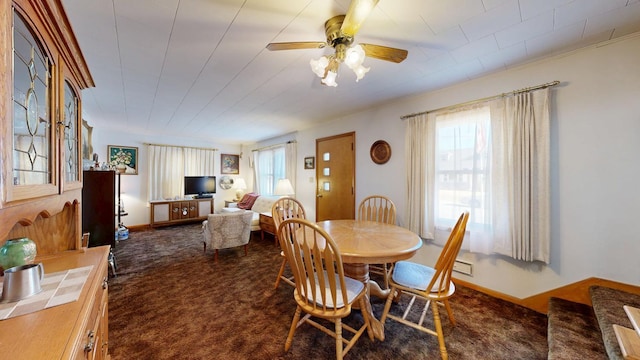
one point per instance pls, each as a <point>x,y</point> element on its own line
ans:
<point>438,325</point>
<point>245,249</point>
<point>112,263</point>
<point>339,339</point>
<point>387,305</point>
<point>204,250</point>
<point>449,312</point>
<point>284,262</point>
<point>385,268</point>
<point>215,257</point>
<point>292,330</point>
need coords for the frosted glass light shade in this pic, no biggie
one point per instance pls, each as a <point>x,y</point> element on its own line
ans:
<point>360,71</point>
<point>318,66</point>
<point>330,79</point>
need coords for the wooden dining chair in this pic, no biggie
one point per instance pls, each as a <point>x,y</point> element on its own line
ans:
<point>381,209</point>
<point>321,289</point>
<point>281,210</point>
<point>432,284</point>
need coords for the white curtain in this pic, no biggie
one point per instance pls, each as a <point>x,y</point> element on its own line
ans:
<point>291,159</point>
<point>524,167</point>
<point>166,172</point>
<point>416,150</point>
<point>199,162</point>
<point>491,159</point>
<point>168,166</point>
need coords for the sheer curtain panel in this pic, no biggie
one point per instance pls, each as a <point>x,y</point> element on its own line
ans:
<point>166,172</point>
<point>168,165</point>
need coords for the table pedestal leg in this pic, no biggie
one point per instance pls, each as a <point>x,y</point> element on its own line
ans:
<point>361,272</point>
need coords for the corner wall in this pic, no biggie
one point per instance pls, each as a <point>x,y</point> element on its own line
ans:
<point>594,170</point>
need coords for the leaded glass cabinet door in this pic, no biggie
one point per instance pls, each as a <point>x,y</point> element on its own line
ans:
<point>71,139</point>
<point>33,171</point>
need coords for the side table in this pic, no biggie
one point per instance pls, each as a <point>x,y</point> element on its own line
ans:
<point>267,225</point>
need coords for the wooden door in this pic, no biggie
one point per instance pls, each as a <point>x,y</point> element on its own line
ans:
<point>336,177</point>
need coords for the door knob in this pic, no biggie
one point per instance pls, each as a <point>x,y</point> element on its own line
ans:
<point>319,195</point>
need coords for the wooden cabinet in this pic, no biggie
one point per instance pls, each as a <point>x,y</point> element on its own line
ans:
<point>43,73</point>
<point>40,100</point>
<point>99,207</point>
<point>267,225</point>
<point>40,127</point>
<point>75,330</point>
<point>171,212</point>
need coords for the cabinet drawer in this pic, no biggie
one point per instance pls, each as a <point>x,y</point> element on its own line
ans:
<point>267,224</point>
<point>93,343</point>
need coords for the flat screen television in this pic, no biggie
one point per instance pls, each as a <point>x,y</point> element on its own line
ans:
<point>200,186</point>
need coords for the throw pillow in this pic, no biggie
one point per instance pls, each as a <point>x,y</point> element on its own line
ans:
<point>247,201</point>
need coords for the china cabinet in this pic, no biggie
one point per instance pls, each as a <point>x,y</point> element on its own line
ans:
<point>43,73</point>
<point>40,104</point>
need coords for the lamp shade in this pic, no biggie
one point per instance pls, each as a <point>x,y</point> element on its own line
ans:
<point>284,187</point>
<point>239,184</point>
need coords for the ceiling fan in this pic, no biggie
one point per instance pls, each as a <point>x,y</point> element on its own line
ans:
<point>340,31</point>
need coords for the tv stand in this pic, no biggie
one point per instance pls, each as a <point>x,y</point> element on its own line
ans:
<point>173,212</point>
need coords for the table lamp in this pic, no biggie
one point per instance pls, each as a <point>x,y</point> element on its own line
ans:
<point>284,188</point>
<point>240,186</point>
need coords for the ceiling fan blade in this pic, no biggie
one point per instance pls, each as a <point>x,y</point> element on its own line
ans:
<point>385,53</point>
<point>357,13</point>
<point>296,45</point>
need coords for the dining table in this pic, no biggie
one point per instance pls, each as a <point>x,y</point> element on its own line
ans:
<point>368,242</point>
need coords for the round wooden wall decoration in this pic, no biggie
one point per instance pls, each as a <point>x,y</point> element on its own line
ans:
<point>380,152</point>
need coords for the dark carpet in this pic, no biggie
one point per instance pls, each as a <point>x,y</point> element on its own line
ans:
<point>171,301</point>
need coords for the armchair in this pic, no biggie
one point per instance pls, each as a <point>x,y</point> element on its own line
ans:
<point>227,230</point>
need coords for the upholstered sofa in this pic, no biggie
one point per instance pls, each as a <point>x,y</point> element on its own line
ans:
<point>262,204</point>
<point>223,231</point>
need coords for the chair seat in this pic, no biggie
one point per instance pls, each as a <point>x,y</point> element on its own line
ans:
<point>415,276</point>
<point>354,288</point>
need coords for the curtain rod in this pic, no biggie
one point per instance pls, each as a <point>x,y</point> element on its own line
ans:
<point>514,92</point>
<point>183,147</point>
<point>274,146</point>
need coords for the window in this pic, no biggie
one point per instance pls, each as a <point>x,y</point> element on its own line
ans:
<point>270,167</point>
<point>491,159</point>
<point>462,161</point>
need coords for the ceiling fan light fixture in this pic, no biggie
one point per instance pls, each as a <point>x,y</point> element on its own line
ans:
<point>319,66</point>
<point>354,56</point>
<point>360,71</point>
<point>330,79</point>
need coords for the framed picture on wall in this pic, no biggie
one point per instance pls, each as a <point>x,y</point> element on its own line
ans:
<point>310,162</point>
<point>124,159</point>
<point>229,164</point>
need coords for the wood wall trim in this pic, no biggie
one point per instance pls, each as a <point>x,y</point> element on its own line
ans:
<point>577,292</point>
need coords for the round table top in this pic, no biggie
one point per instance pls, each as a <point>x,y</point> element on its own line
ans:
<point>369,242</point>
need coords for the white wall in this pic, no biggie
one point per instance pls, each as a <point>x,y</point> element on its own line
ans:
<point>135,187</point>
<point>595,143</point>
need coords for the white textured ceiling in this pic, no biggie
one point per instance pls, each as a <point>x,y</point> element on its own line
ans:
<point>199,68</point>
